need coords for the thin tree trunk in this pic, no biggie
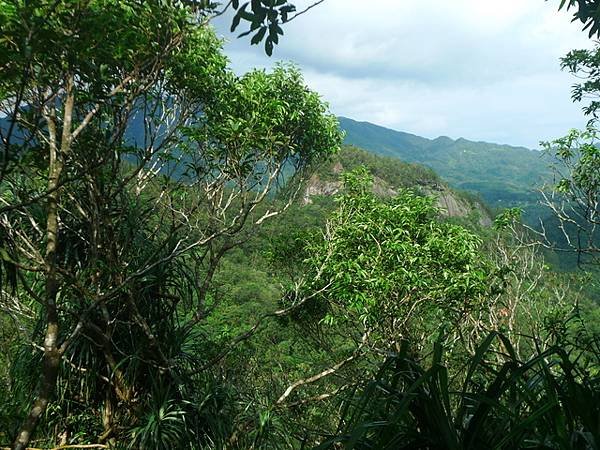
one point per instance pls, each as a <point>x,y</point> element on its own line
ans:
<point>52,354</point>
<point>51,359</point>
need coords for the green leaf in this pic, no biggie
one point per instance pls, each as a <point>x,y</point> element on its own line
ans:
<point>258,36</point>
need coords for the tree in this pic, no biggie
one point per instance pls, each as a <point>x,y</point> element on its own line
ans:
<point>584,65</point>
<point>586,12</point>
<point>133,160</point>
<point>265,18</point>
<point>388,271</point>
<point>575,197</point>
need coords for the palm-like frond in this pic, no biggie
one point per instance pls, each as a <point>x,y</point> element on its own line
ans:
<point>545,402</point>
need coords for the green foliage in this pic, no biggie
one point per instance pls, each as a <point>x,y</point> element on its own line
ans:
<point>579,152</point>
<point>265,18</point>
<point>161,426</point>
<point>258,121</point>
<point>175,321</point>
<point>385,265</point>
<point>507,217</point>
<point>49,37</point>
<point>584,64</point>
<point>102,99</point>
<point>548,401</point>
<point>576,194</point>
<point>502,175</point>
<point>9,337</point>
<point>396,173</point>
<point>587,12</point>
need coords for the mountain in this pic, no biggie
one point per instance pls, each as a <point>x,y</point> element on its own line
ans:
<point>389,176</point>
<point>502,175</point>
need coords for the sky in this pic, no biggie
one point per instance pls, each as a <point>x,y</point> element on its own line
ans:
<point>485,70</point>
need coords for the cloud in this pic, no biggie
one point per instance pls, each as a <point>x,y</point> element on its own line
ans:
<point>481,69</point>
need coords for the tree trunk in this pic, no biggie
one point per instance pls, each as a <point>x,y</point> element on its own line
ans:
<point>52,354</point>
<point>48,383</point>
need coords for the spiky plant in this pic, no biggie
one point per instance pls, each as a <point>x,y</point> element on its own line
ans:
<point>548,401</point>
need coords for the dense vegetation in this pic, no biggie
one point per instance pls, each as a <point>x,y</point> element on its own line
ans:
<point>166,284</point>
<point>502,175</point>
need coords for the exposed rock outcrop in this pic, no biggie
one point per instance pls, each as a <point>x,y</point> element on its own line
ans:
<point>449,203</point>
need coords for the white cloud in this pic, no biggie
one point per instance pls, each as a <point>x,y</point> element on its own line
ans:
<point>482,69</point>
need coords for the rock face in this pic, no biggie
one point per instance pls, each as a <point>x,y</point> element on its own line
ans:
<point>449,203</point>
<point>452,205</point>
<point>318,187</point>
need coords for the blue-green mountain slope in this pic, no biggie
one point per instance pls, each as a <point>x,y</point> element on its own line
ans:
<point>502,175</point>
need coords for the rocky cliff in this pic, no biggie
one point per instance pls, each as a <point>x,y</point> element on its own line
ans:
<point>451,204</point>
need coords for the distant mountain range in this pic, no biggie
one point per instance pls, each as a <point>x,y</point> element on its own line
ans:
<point>502,175</point>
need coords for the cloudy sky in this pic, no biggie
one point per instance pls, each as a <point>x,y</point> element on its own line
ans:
<point>480,69</point>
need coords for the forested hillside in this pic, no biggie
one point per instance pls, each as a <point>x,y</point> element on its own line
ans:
<point>390,176</point>
<point>190,258</point>
<point>504,176</point>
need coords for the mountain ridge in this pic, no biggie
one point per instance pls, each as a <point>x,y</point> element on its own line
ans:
<point>438,138</point>
<point>503,175</point>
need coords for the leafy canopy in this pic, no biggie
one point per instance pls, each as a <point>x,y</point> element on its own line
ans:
<point>385,265</point>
